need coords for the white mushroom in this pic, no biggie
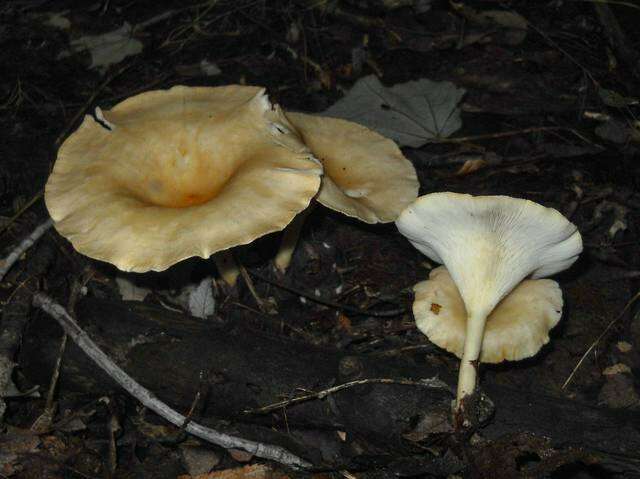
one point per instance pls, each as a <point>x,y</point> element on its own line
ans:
<point>489,244</point>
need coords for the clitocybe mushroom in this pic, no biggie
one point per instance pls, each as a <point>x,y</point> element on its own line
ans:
<point>516,328</point>
<point>366,176</point>
<point>170,174</point>
<point>489,245</point>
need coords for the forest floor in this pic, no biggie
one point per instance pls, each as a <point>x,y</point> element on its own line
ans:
<point>550,114</point>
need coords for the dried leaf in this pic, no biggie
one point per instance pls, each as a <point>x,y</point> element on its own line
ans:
<point>410,113</point>
<point>471,166</point>
<point>624,347</point>
<point>618,368</point>
<point>109,48</point>
<point>130,291</point>
<point>240,456</point>
<point>209,69</point>
<point>201,301</point>
<point>615,99</point>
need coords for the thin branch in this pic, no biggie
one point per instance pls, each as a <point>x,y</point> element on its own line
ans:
<point>502,134</point>
<point>80,337</point>
<point>25,244</point>
<point>428,383</point>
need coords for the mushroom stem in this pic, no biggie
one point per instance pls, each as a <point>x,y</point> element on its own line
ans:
<point>469,363</point>
<point>227,267</point>
<point>290,237</point>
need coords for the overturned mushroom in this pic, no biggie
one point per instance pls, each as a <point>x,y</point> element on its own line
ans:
<point>366,176</point>
<point>489,244</point>
<point>516,328</point>
<point>170,174</point>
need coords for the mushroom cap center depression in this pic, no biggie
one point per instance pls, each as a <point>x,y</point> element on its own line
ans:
<point>180,164</point>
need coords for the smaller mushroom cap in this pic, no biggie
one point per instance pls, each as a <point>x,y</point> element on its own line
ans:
<point>489,244</point>
<point>170,174</point>
<point>366,176</point>
<point>516,329</point>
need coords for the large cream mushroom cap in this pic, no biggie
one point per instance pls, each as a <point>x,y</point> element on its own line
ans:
<point>170,174</point>
<point>516,329</point>
<point>489,244</point>
<point>366,176</point>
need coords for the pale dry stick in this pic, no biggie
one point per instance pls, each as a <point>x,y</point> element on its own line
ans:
<point>433,382</point>
<point>262,304</point>
<point>595,343</point>
<point>84,342</point>
<point>25,244</point>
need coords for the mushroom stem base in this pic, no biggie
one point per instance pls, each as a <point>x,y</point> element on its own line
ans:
<point>290,237</point>
<point>470,361</point>
<point>227,267</point>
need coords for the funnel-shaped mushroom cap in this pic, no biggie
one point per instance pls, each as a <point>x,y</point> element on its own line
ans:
<point>184,172</point>
<point>490,243</point>
<point>366,175</point>
<point>516,329</point>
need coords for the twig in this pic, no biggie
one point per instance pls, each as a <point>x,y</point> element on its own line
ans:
<point>262,304</point>
<point>329,303</point>
<point>80,337</point>
<point>428,383</point>
<point>595,343</point>
<point>502,134</point>
<point>43,422</point>
<point>25,244</point>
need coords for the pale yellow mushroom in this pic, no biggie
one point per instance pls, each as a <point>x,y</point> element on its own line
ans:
<point>366,176</point>
<point>171,174</point>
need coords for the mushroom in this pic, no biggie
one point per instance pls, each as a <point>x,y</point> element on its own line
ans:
<point>170,174</point>
<point>489,245</point>
<point>516,328</point>
<point>366,176</point>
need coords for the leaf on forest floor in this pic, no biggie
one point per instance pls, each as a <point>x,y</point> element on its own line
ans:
<point>108,48</point>
<point>202,303</point>
<point>411,113</point>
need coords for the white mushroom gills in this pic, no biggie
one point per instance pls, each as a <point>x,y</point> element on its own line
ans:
<point>489,244</point>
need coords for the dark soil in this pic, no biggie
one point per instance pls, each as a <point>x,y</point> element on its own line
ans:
<point>537,115</point>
